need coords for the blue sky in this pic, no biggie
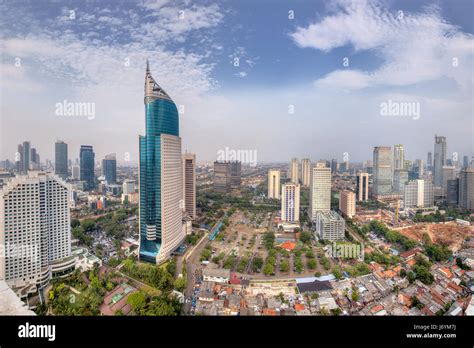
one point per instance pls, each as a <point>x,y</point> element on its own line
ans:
<point>97,54</point>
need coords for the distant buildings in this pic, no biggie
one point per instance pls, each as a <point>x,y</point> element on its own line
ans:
<point>235,174</point>
<point>362,186</point>
<point>75,172</point>
<point>330,226</point>
<point>334,166</point>
<point>305,172</point>
<point>161,176</point>
<point>440,149</point>
<point>274,184</point>
<point>189,184</point>
<point>452,193</point>
<point>109,169</point>
<point>466,189</point>
<point>418,194</point>
<point>23,158</point>
<point>294,171</point>
<point>398,157</point>
<point>60,159</point>
<point>87,160</point>
<point>448,173</point>
<point>227,175</point>
<point>320,190</point>
<point>290,203</point>
<point>400,178</point>
<point>347,203</point>
<point>382,170</point>
<point>37,243</point>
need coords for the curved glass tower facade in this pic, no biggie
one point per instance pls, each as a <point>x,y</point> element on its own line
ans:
<point>160,177</point>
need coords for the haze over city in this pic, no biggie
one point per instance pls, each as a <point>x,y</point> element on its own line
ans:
<point>305,79</point>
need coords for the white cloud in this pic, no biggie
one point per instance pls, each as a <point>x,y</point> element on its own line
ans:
<point>415,47</point>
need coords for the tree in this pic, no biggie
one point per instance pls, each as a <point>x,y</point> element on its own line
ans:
<point>268,269</point>
<point>311,263</point>
<point>284,266</point>
<point>88,225</point>
<point>305,237</point>
<point>75,223</point>
<point>355,295</point>
<point>180,284</point>
<point>257,263</point>
<point>336,271</point>
<point>411,276</point>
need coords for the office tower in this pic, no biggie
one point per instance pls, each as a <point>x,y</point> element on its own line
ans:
<point>221,177</point>
<point>429,161</point>
<point>19,159</point>
<point>128,187</point>
<point>37,161</point>
<point>448,173</point>
<point>294,171</point>
<point>452,194</point>
<point>465,162</point>
<point>35,230</point>
<point>26,157</point>
<point>60,159</point>
<point>290,203</point>
<point>382,170</point>
<point>33,158</point>
<point>76,172</point>
<point>400,177</point>
<point>418,194</point>
<point>274,184</point>
<point>439,160</point>
<point>320,190</point>
<point>398,157</point>
<point>87,157</point>
<point>161,176</point>
<point>347,204</point>
<point>305,171</point>
<point>419,170</point>
<point>333,165</point>
<point>466,189</point>
<point>189,184</point>
<point>362,186</point>
<point>330,226</point>
<point>235,174</point>
<point>109,168</point>
<point>344,167</point>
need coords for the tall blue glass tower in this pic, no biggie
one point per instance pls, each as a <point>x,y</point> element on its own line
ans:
<point>160,178</point>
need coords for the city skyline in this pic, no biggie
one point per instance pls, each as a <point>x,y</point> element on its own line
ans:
<point>317,95</point>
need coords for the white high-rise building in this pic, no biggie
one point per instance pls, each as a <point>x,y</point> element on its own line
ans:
<point>76,172</point>
<point>347,203</point>
<point>320,190</point>
<point>128,187</point>
<point>398,157</point>
<point>189,184</point>
<point>418,194</point>
<point>290,203</point>
<point>330,226</point>
<point>294,171</point>
<point>274,184</point>
<point>35,231</point>
<point>305,172</point>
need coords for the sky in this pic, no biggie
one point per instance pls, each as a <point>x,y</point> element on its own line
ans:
<point>279,78</point>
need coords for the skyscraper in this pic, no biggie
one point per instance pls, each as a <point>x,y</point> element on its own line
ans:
<point>87,158</point>
<point>362,186</point>
<point>19,159</point>
<point>419,168</point>
<point>109,168</point>
<point>189,184</point>
<point>465,161</point>
<point>382,170</point>
<point>75,172</point>
<point>400,177</point>
<point>429,161</point>
<point>347,203</point>
<point>320,190</point>
<point>290,203</point>
<point>398,157</point>
<point>161,176</point>
<point>60,160</point>
<point>221,177</point>
<point>305,171</point>
<point>274,184</point>
<point>448,173</point>
<point>334,166</point>
<point>294,171</point>
<point>439,160</point>
<point>235,173</point>
<point>26,156</point>
<point>466,189</point>
<point>418,194</point>
<point>37,243</point>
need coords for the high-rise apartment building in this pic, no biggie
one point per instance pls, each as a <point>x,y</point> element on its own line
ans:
<point>161,176</point>
<point>189,184</point>
<point>294,171</point>
<point>347,203</point>
<point>362,186</point>
<point>128,187</point>
<point>109,168</point>
<point>466,189</point>
<point>440,149</point>
<point>330,226</point>
<point>320,190</point>
<point>60,159</point>
<point>418,194</point>
<point>274,184</point>
<point>87,159</point>
<point>290,203</point>
<point>305,171</point>
<point>382,170</point>
<point>35,231</point>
